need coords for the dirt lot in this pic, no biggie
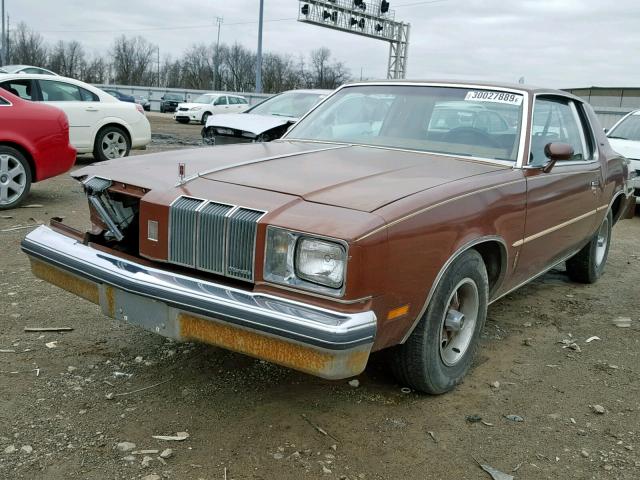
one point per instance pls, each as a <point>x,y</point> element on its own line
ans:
<point>248,419</point>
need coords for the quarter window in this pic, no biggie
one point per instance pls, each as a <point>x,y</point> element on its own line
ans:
<point>555,120</point>
<point>88,96</point>
<point>3,101</point>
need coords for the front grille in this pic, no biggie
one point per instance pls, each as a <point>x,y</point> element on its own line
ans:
<point>213,237</point>
<point>183,222</point>
<point>243,224</point>
<point>183,109</point>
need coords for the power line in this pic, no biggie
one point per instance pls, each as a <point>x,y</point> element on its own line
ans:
<point>148,29</point>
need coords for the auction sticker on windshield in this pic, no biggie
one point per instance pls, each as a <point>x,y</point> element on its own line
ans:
<point>495,97</point>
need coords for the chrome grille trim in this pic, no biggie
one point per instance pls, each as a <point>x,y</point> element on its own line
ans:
<point>183,222</point>
<point>241,243</point>
<point>213,237</point>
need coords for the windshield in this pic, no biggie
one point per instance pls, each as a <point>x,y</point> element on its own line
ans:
<point>290,104</point>
<point>628,129</point>
<point>456,121</point>
<point>204,99</point>
<point>173,96</point>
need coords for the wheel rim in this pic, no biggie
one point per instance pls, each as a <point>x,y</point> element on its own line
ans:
<point>13,179</point>
<point>114,145</point>
<point>602,241</point>
<point>459,322</point>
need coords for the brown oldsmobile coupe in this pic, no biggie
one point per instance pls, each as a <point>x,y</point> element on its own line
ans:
<point>390,216</point>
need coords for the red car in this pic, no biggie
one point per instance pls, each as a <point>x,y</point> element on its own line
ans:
<point>34,145</point>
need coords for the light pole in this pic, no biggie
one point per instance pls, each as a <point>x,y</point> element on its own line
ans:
<point>3,57</point>
<point>259,57</point>
<point>158,49</point>
<point>216,80</point>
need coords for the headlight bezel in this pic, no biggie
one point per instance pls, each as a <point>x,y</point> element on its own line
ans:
<point>293,280</point>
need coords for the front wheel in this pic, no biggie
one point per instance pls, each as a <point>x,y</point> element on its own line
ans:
<point>439,352</point>
<point>111,142</point>
<point>587,266</point>
<point>15,177</point>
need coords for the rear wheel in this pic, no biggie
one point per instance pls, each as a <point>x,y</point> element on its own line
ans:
<point>111,142</point>
<point>587,266</point>
<point>15,177</point>
<point>439,352</point>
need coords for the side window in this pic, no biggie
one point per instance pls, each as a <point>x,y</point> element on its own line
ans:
<point>34,70</point>
<point>242,101</point>
<point>591,143</point>
<point>221,101</point>
<point>3,101</point>
<point>88,96</point>
<point>20,88</point>
<point>233,100</point>
<point>555,120</point>
<point>54,91</point>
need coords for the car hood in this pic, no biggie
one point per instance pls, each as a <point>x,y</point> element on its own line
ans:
<point>626,148</point>
<point>248,122</point>
<point>354,177</point>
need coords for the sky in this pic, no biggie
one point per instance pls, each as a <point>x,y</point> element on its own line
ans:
<point>551,43</point>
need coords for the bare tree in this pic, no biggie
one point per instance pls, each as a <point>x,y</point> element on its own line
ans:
<point>197,67</point>
<point>132,60</point>
<point>67,59</point>
<point>95,71</point>
<point>240,64</point>
<point>326,74</point>
<point>27,47</point>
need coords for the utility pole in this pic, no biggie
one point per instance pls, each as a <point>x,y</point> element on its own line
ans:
<point>259,57</point>
<point>3,58</point>
<point>216,80</point>
<point>158,48</point>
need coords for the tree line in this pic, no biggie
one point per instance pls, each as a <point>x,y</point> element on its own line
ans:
<point>134,61</point>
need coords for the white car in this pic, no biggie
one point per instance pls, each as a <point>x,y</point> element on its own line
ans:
<point>624,137</point>
<point>26,69</point>
<point>202,107</point>
<point>264,122</point>
<point>98,123</point>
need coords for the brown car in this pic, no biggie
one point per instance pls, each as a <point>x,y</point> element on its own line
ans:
<point>391,215</point>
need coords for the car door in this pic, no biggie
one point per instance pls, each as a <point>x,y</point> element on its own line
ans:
<point>221,105</point>
<point>82,107</point>
<point>561,204</point>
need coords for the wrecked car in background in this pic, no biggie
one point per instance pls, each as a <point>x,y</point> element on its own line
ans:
<point>369,225</point>
<point>624,137</point>
<point>267,121</point>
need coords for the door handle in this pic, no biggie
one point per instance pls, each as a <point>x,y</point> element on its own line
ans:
<point>92,109</point>
<point>595,183</point>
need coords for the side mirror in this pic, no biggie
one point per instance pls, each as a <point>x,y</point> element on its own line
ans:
<point>162,97</point>
<point>556,152</point>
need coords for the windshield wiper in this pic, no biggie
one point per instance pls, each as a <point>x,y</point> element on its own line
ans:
<point>620,138</point>
<point>282,115</point>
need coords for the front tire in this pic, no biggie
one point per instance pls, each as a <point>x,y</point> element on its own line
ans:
<point>439,352</point>
<point>111,142</point>
<point>205,116</point>
<point>15,178</point>
<point>587,266</point>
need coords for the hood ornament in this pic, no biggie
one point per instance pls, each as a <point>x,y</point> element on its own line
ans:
<point>181,170</point>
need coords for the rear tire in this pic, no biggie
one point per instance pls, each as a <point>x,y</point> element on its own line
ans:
<point>587,266</point>
<point>111,142</point>
<point>15,178</point>
<point>439,352</point>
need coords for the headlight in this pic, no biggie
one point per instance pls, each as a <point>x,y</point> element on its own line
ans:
<point>193,109</point>
<point>304,261</point>
<point>320,262</point>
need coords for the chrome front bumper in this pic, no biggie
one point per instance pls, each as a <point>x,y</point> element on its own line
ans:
<point>322,342</point>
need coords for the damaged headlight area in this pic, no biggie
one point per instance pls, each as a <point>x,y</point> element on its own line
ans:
<point>117,212</point>
<point>305,261</point>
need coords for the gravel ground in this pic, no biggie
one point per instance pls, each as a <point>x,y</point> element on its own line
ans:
<point>68,412</point>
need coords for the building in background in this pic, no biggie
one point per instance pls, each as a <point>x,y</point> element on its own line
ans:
<point>610,103</point>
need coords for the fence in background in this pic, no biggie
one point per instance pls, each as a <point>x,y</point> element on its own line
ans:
<point>155,93</point>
